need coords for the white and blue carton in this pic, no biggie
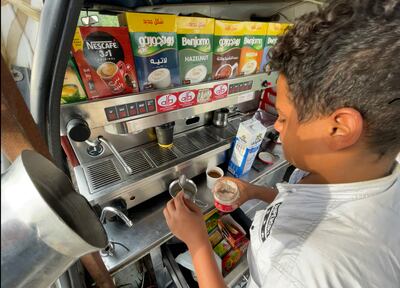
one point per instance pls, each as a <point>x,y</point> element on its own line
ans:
<point>245,146</point>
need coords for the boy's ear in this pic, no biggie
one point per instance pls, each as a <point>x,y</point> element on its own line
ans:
<point>346,128</point>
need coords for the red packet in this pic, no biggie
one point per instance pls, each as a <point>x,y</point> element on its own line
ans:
<point>220,91</point>
<point>167,102</point>
<point>187,98</point>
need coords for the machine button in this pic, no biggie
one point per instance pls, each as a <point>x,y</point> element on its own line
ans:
<point>132,109</point>
<point>111,113</point>
<point>151,105</point>
<point>142,107</point>
<point>122,111</point>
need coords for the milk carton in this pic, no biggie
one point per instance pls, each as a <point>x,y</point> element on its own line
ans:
<point>252,47</point>
<point>227,45</point>
<point>195,43</point>
<point>245,147</point>
<point>154,43</point>
<point>274,30</point>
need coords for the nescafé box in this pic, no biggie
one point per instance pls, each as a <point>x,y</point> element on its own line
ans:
<point>105,61</point>
<point>227,46</point>
<point>154,42</point>
<point>195,43</point>
<point>252,47</point>
<point>274,30</point>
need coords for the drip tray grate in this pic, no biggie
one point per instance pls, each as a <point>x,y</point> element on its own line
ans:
<point>202,138</point>
<point>102,174</point>
<point>184,145</point>
<point>160,155</point>
<point>137,162</point>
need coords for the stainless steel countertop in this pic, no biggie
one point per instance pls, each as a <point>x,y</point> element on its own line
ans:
<point>150,229</point>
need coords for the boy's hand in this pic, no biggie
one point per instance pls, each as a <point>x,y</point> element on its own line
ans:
<point>186,222</point>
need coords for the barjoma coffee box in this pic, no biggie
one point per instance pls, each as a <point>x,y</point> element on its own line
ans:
<point>273,31</point>
<point>154,43</point>
<point>195,43</point>
<point>105,61</point>
<point>228,36</point>
<point>252,47</point>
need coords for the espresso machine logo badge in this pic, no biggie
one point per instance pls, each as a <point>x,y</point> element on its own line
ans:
<point>220,91</point>
<point>167,102</point>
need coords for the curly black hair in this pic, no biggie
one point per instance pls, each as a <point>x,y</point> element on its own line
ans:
<point>347,54</point>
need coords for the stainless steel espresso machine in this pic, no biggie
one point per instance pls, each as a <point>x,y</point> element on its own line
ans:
<point>114,141</point>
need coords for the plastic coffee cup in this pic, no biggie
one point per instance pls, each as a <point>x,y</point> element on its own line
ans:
<point>226,193</point>
<point>213,174</point>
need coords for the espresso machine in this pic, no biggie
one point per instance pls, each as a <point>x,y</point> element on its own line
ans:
<point>113,140</point>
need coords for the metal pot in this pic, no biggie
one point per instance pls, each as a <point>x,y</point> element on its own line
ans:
<point>220,118</point>
<point>45,224</point>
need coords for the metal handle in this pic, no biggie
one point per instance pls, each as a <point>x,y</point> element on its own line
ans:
<point>121,160</point>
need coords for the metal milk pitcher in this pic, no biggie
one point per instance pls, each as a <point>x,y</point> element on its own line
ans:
<point>45,224</point>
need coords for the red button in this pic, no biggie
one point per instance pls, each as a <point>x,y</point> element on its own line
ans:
<point>122,111</point>
<point>132,110</point>
<point>111,113</point>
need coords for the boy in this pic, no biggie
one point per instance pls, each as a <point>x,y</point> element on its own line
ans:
<point>339,113</point>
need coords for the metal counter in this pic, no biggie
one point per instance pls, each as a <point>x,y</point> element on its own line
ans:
<point>150,229</point>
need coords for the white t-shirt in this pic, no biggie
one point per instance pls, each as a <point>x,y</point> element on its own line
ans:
<point>342,235</point>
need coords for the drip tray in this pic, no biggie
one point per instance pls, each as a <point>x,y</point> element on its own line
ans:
<point>159,155</point>
<point>153,165</point>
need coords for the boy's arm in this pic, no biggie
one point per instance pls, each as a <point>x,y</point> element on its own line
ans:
<point>250,191</point>
<point>207,272</point>
<point>186,222</point>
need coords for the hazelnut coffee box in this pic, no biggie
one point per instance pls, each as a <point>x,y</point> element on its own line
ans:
<point>227,46</point>
<point>105,61</point>
<point>195,43</point>
<point>154,43</point>
<point>252,47</point>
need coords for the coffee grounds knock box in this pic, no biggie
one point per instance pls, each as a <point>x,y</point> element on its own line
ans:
<point>105,61</point>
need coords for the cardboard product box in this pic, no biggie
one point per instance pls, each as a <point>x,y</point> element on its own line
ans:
<point>273,31</point>
<point>252,47</point>
<point>72,90</point>
<point>195,48</point>
<point>154,42</point>
<point>232,258</point>
<point>228,37</point>
<point>245,147</point>
<point>105,61</point>
<point>211,219</point>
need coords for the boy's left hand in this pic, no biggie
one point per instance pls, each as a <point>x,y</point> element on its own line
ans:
<point>186,222</point>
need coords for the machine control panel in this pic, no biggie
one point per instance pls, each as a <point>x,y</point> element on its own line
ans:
<point>127,110</point>
<point>240,87</point>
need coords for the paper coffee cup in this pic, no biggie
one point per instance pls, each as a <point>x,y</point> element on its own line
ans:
<point>160,78</point>
<point>213,174</point>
